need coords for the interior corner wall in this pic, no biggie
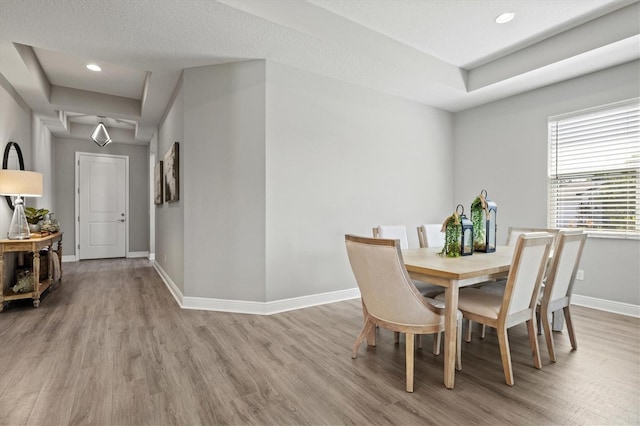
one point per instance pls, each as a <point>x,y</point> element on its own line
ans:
<point>342,159</point>
<point>224,155</point>
<point>64,189</point>
<point>15,126</point>
<point>502,147</point>
<point>42,149</point>
<point>169,217</point>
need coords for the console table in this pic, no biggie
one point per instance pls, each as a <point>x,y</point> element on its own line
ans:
<point>32,245</point>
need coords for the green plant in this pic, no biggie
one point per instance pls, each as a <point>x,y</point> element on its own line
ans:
<point>34,216</point>
<point>478,221</point>
<point>452,237</point>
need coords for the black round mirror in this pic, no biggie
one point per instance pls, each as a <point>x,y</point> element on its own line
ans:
<point>12,160</point>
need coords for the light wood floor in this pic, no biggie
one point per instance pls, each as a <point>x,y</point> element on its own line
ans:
<point>111,346</point>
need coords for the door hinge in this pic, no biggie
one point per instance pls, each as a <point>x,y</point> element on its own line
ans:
<point>78,162</point>
<point>78,190</point>
<point>78,218</point>
<point>78,246</point>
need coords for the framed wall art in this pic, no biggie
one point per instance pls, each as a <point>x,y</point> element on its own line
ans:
<point>158,183</point>
<point>171,174</point>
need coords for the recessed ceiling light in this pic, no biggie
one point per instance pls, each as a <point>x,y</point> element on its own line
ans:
<point>94,67</point>
<point>503,18</point>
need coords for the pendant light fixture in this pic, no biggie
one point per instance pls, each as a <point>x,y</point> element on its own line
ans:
<point>100,135</point>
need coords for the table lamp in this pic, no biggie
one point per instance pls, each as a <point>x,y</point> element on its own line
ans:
<point>20,183</point>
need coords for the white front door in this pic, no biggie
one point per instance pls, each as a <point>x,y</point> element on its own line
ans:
<point>102,210</point>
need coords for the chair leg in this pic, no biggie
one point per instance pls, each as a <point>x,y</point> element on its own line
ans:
<point>437,339</point>
<point>419,341</point>
<point>366,329</point>
<point>409,358</point>
<point>572,334</point>
<point>468,337</point>
<point>533,341</point>
<point>483,331</point>
<point>548,335</point>
<point>505,354</point>
<point>396,337</point>
<point>458,345</point>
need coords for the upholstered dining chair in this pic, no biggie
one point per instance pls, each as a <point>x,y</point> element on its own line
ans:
<point>430,235</point>
<point>519,301</point>
<point>426,289</point>
<point>389,299</point>
<point>559,285</point>
<point>512,236</point>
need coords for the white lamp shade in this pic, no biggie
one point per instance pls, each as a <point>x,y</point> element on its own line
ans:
<point>21,182</point>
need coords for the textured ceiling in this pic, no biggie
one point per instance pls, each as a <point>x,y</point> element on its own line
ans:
<point>445,53</point>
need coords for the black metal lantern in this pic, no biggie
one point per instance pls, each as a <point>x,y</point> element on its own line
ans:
<point>483,217</point>
<point>466,236</point>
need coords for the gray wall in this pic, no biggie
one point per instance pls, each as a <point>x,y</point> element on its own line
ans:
<point>15,126</point>
<point>280,163</point>
<point>502,147</point>
<point>64,167</point>
<point>224,126</point>
<point>169,217</point>
<point>342,159</point>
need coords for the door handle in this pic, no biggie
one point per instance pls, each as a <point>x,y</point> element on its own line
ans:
<point>121,220</point>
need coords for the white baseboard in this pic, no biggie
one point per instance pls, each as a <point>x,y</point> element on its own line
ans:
<point>277,306</point>
<point>269,308</point>
<point>152,256</point>
<point>133,254</point>
<point>606,305</point>
<point>173,288</point>
<point>69,258</point>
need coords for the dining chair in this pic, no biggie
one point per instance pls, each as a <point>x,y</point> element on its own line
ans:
<point>394,232</point>
<point>430,235</point>
<point>519,301</point>
<point>426,289</point>
<point>389,299</point>
<point>512,236</point>
<point>559,285</point>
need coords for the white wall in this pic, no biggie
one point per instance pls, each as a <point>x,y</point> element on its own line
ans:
<point>502,147</point>
<point>342,159</point>
<point>42,150</point>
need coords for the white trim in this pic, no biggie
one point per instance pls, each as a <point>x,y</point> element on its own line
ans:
<point>69,258</point>
<point>173,288</point>
<point>269,308</point>
<point>277,306</point>
<point>133,254</point>
<point>152,256</point>
<point>606,305</point>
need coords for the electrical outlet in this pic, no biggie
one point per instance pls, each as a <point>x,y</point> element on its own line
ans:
<point>580,275</point>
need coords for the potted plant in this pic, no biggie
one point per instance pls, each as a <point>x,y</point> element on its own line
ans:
<point>34,216</point>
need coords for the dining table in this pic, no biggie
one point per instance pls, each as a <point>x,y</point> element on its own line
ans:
<point>453,273</point>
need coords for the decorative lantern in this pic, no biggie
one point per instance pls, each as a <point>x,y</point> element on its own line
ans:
<point>483,217</point>
<point>458,235</point>
<point>466,242</point>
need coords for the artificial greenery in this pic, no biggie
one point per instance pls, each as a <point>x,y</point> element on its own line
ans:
<point>478,220</point>
<point>34,216</point>
<point>452,237</point>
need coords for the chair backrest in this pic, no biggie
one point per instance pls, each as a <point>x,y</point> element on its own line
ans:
<point>429,235</point>
<point>562,271</point>
<point>385,286</point>
<point>525,275</point>
<point>393,232</point>
<point>513,233</point>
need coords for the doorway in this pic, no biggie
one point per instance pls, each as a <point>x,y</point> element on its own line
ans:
<point>102,207</point>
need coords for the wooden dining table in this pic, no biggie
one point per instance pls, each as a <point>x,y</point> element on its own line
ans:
<point>452,273</point>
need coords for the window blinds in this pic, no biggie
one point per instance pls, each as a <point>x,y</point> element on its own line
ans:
<point>594,168</point>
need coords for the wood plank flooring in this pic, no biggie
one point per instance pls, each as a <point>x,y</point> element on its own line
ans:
<point>111,347</point>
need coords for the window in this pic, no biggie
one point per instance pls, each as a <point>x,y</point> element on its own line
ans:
<point>594,168</point>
